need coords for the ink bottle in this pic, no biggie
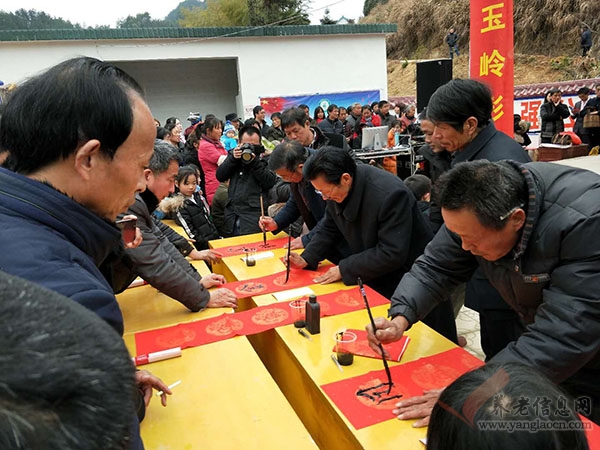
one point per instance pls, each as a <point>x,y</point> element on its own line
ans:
<point>313,315</point>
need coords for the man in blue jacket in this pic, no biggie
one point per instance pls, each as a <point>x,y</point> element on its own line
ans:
<point>78,138</point>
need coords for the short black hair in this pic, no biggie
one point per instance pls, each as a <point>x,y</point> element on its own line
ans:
<point>454,102</point>
<point>66,378</point>
<point>419,184</point>
<point>257,109</point>
<point>584,90</point>
<point>249,130</point>
<point>331,163</point>
<point>288,155</point>
<point>382,103</point>
<point>291,116</point>
<point>51,115</point>
<point>511,384</point>
<point>331,107</point>
<point>488,189</point>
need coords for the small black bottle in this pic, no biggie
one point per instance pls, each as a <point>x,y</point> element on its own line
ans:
<point>313,315</point>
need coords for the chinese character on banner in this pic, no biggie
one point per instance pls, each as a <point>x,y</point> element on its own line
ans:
<point>493,63</point>
<point>492,56</point>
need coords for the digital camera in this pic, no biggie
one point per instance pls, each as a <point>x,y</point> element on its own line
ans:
<point>249,151</point>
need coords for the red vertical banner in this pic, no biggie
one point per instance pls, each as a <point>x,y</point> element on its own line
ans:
<point>492,56</point>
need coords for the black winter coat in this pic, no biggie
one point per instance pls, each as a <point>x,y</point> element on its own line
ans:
<point>194,218</point>
<point>382,224</point>
<point>551,278</point>
<point>247,182</point>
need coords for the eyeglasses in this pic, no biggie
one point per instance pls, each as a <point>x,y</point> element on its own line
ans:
<point>328,195</point>
<point>508,214</point>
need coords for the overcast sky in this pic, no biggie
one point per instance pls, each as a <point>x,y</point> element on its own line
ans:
<point>108,12</point>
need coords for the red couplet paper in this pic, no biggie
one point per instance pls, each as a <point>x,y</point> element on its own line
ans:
<point>592,434</point>
<point>254,246</point>
<point>410,379</point>
<point>274,283</point>
<point>243,323</point>
<point>361,346</point>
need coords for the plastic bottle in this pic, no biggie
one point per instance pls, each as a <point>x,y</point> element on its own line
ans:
<point>396,139</point>
<point>313,315</point>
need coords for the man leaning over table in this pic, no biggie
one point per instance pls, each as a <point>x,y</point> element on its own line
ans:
<point>531,228</point>
<point>157,259</point>
<point>378,216</point>
<point>67,178</point>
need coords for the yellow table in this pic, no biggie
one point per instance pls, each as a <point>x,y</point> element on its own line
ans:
<point>145,308</point>
<point>300,367</point>
<point>226,400</point>
<point>233,268</point>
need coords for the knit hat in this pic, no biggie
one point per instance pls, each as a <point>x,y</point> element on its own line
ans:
<point>228,128</point>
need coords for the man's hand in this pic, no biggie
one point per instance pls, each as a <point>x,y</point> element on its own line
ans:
<point>145,381</point>
<point>297,261</point>
<point>137,241</point>
<point>222,298</point>
<point>296,243</point>
<point>237,153</point>
<point>267,223</point>
<point>212,279</point>
<point>386,331</point>
<point>331,276</point>
<point>205,255</point>
<point>418,407</point>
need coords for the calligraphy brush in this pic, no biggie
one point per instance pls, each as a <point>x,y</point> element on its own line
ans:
<point>385,364</point>
<point>262,213</point>
<point>287,259</point>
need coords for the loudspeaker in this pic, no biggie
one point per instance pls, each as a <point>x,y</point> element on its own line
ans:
<point>430,76</point>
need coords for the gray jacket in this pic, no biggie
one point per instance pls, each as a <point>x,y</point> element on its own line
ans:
<point>551,278</point>
<point>159,262</point>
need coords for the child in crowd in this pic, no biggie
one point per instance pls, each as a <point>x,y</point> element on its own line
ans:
<point>229,138</point>
<point>420,185</point>
<point>190,209</point>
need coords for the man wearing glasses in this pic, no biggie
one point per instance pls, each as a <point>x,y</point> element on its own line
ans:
<point>379,218</point>
<point>530,228</point>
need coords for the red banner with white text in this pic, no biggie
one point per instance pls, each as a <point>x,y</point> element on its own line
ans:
<point>492,56</point>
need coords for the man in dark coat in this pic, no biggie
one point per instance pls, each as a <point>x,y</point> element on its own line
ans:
<point>287,160</point>
<point>452,41</point>
<point>379,218</point>
<point>578,113</point>
<point>296,124</point>
<point>249,179</point>
<point>461,111</point>
<point>63,189</point>
<point>528,226</point>
<point>553,114</point>
<point>586,40</point>
<point>332,123</point>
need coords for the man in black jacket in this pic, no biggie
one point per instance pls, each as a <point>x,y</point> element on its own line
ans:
<point>332,124</point>
<point>530,228</point>
<point>461,111</point>
<point>249,179</point>
<point>296,124</point>
<point>379,218</point>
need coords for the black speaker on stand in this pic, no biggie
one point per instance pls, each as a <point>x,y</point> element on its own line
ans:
<point>430,76</point>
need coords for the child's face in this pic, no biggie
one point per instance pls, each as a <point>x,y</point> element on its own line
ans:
<point>230,134</point>
<point>188,186</point>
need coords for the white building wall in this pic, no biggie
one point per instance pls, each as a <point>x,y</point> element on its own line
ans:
<point>233,72</point>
